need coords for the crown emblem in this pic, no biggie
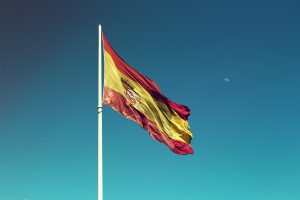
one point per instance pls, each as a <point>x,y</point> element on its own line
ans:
<point>130,93</point>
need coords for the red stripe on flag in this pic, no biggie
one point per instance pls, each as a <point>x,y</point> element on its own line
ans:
<point>149,85</point>
<point>119,103</point>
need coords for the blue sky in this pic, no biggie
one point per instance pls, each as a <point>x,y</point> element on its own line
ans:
<point>234,63</point>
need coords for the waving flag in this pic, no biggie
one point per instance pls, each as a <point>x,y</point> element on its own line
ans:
<point>138,98</point>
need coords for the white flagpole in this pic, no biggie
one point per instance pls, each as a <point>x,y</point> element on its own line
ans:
<point>100,164</point>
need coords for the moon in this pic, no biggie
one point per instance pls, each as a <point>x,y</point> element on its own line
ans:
<point>227,79</point>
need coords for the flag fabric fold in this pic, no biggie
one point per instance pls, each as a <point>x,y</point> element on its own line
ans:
<point>139,98</point>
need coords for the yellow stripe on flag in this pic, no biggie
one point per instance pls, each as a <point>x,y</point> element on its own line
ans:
<point>167,121</point>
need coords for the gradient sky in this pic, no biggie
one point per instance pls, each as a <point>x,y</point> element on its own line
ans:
<point>236,64</point>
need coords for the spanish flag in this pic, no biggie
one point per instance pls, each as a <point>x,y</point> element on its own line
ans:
<point>139,99</point>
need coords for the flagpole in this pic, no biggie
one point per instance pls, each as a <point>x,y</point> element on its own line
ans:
<point>100,164</point>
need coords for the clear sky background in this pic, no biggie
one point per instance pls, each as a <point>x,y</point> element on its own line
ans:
<point>236,64</point>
